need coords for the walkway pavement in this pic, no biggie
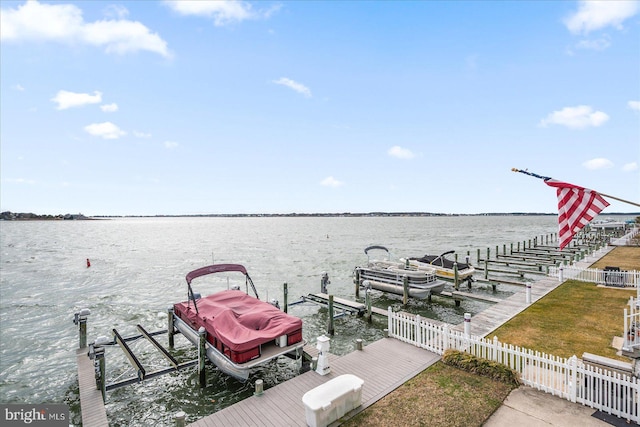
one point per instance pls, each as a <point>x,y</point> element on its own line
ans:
<point>528,407</point>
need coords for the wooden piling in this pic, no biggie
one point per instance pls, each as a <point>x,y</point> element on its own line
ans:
<point>405,290</point>
<point>330,328</point>
<point>367,298</point>
<point>456,277</point>
<point>285,291</point>
<point>357,282</point>
<point>170,327</point>
<point>202,355</point>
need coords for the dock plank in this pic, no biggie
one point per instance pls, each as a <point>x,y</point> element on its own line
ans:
<point>383,365</point>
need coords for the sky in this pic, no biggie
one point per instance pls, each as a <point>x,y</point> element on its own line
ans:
<point>216,107</point>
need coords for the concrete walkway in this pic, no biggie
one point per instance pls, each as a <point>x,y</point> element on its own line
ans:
<point>528,407</point>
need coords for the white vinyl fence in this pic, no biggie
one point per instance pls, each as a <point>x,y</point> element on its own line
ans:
<point>572,379</point>
<point>632,325</point>
<point>623,279</point>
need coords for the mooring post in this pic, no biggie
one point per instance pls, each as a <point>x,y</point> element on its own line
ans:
<point>356,280</point>
<point>456,278</point>
<point>330,328</point>
<point>518,246</point>
<point>101,382</point>
<point>367,299</point>
<point>478,257</point>
<point>285,291</point>
<point>486,267</point>
<point>497,252</point>
<point>170,329</point>
<point>80,319</point>
<point>511,249</point>
<point>202,354</point>
<point>467,325</point>
<point>359,344</point>
<point>405,290</point>
<point>324,282</point>
<point>180,419</point>
<point>504,249</point>
<point>259,388</point>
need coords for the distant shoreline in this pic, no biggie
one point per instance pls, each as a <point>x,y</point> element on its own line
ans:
<point>11,216</point>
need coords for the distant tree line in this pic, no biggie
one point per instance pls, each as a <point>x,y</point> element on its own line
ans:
<point>23,216</point>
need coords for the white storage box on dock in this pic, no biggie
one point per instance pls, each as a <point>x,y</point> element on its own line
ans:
<point>331,400</point>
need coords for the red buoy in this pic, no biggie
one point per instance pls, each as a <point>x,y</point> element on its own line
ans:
<point>88,263</point>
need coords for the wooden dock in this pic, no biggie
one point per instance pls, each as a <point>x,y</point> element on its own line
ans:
<point>383,365</point>
<point>485,322</point>
<point>92,407</point>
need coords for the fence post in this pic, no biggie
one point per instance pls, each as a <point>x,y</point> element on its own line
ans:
<point>528,294</point>
<point>418,331</point>
<point>390,330</point>
<point>445,338</point>
<point>467,325</point>
<point>573,386</point>
<point>561,274</point>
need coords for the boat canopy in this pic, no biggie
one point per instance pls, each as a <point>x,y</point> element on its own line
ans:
<point>367,249</point>
<point>217,268</point>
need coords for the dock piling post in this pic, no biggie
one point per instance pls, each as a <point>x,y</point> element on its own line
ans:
<point>511,249</point>
<point>478,257</point>
<point>202,354</point>
<point>80,319</point>
<point>486,268</point>
<point>528,294</point>
<point>359,344</point>
<point>285,290</point>
<point>259,388</point>
<point>170,328</point>
<point>180,419</point>
<point>456,278</point>
<point>102,369</point>
<point>367,298</point>
<point>405,290</point>
<point>356,280</point>
<point>330,328</point>
<point>324,282</point>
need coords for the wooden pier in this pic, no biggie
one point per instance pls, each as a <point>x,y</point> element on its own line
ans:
<point>485,322</point>
<point>383,365</point>
<point>92,407</point>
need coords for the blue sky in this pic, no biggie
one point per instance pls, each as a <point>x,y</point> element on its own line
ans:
<point>143,108</point>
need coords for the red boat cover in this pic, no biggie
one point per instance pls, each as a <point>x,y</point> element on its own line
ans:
<point>240,321</point>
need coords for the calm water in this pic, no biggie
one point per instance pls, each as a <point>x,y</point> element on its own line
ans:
<point>137,271</point>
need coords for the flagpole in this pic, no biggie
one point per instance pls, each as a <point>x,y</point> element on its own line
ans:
<point>544,178</point>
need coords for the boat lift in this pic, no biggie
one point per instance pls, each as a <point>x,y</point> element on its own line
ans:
<point>96,352</point>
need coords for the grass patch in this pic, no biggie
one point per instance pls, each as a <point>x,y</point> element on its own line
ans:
<point>441,395</point>
<point>625,257</point>
<point>576,317</point>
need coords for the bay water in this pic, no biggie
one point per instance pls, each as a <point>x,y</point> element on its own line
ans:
<point>137,270</point>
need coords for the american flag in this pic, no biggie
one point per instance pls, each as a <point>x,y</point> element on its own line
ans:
<point>577,206</point>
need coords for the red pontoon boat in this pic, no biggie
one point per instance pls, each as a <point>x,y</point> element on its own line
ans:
<point>242,331</point>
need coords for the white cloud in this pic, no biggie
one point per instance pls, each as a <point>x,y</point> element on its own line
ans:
<point>298,87</point>
<point>597,14</point>
<point>600,163</point>
<point>630,167</point>
<point>601,43</point>
<point>578,117</point>
<point>400,153</point>
<point>66,99</point>
<point>139,134</point>
<point>223,12</point>
<point>634,105</point>
<point>331,182</point>
<point>106,130</point>
<point>19,87</point>
<point>64,23</point>
<point>109,108</point>
<point>170,145</point>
